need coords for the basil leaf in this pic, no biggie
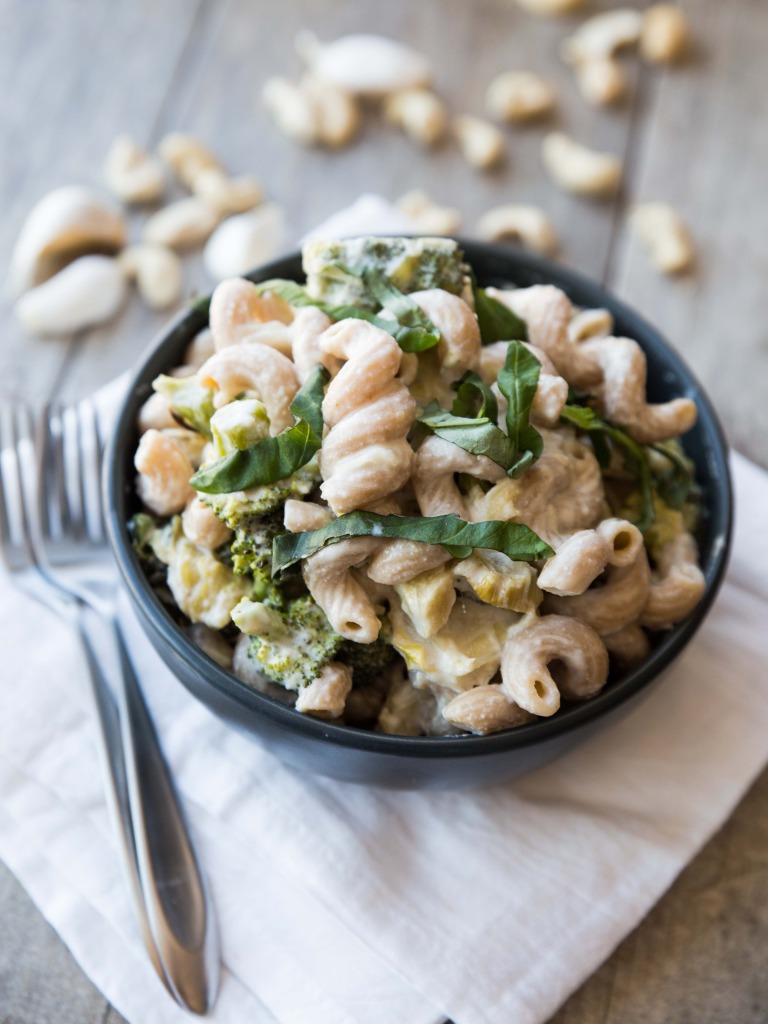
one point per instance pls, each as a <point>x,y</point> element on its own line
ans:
<point>474,434</point>
<point>417,332</point>
<point>471,389</point>
<point>273,458</point>
<point>635,455</point>
<point>675,484</point>
<point>497,321</point>
<point>516,541</point>
<point>517,381</point>
<point>295,294</point>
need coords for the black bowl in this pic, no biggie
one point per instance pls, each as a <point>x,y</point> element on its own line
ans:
<point>360,756</point>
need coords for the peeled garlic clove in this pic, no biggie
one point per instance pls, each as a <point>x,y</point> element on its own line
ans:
<point>157,272</point>
<point>661,228</point>
<point>577,169</point>
<point>187,156</point>
<point>520,96</point>
<point>181,225</point>
<point>67,223</point>
<point>481,142</point>
<point>228,195</point>
<point>526,224</point>
<point>131,173</point>
<point>86,292</point>
<point>364,65</point>
<point>243,242</point>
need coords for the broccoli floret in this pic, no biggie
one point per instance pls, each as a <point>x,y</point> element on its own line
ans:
<point>290,645</point>
<point>144,531</point>
<point>190,401</point>
<point>367,661</point>
<point>412,264</point>
<point>241,510</point>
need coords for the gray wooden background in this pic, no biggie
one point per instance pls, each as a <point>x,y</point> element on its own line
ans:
<point>74,73</point>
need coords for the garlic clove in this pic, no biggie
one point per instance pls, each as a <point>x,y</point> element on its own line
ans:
<point>157,271</point>
<point>131,173</point>
<point>66,223</point>
<point>86,292</point>
<point>243,242</point>
<point>181,225</point>
<point>364,64</point>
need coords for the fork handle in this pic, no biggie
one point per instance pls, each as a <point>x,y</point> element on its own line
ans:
<point>178,906</point>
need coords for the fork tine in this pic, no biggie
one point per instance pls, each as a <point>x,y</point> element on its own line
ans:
<point>15,483</point>
<point>54,468</point>
<point>90,469</point>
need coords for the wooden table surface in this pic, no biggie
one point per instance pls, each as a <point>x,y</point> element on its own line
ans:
<point>75,73</point>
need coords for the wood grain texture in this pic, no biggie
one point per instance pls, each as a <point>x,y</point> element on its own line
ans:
<point>694,136</point>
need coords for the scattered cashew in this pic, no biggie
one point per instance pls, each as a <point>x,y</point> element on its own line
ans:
<point>157,271</point>
<point>603,34</point>
<point>86,292</point>
<point>364,65</point>
<point>429,217</point>
<point>481,142</point>
<point>601,81</point>
<point>550,7</point>
<point>577,169</point>
<point>527,224</point>
<point>311,110</point>
<point>665,34</point>
<point>187,157</point>
<point>181,225</point>
<point>664,233</point>
<point>66,223</point>
<point>225,194</point>
<point>419,112</point>
<point>131,173</point>
<point>243,242</point>
<point>520,96</point>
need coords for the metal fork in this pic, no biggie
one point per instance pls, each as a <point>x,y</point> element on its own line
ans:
<point>51,522</point>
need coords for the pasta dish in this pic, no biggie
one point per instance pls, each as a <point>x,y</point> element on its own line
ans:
<point>403,502</point>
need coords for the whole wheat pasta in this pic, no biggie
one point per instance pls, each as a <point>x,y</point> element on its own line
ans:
<point>258,369</point>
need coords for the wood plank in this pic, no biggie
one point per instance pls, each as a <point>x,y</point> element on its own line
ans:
<point>706,152</point>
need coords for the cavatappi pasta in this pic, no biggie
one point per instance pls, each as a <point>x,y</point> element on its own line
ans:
<point>402,502</point>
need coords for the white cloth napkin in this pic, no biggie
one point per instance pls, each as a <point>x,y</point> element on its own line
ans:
<point>345,905</point>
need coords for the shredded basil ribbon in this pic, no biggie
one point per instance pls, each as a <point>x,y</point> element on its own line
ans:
<point>516,541</point>
<point>497,321</point>
<point>635,455</point>
<point>411,328</point>
<point>673,485</point>
<point>518,381</point>
<point>273,458</point>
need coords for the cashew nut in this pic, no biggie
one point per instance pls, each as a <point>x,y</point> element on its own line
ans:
<point>157,271</point>
<point>364,65</point>
<point>187,156</point>
<point>225,194</point>
<point>312,110</point>
<point>481,142</point>
<point>665,34</point>
<point>601,80</point>
<point>86,292</point>
<point>664,233</point>
<point>66,223</point>
<point>429,218</point>
<point>520,96</point>
<point>550,7</point>
<point>527,224</point>
<point>131,173</point>
<point>181,225</point>
<point>577,169</point>
<point>603,34</point>
<point>419,112</point>
<point>243,242</point>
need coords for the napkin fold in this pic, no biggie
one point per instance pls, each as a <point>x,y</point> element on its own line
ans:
<point>340,904</point>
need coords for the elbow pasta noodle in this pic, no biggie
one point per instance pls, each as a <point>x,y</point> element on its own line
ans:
<point>413,637</point>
